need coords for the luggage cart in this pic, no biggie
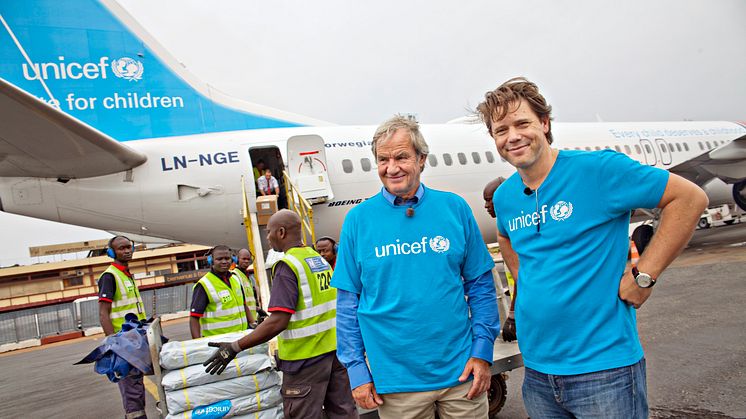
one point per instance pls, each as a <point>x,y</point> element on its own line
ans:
<point>506,355</point>
<point>154,333</point>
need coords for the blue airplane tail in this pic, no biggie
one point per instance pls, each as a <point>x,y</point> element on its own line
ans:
<point>91,60</point>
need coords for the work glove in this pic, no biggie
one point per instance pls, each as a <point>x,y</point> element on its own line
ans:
<point>222,357</point>
<point>509,328</point>
<point>262,315</point>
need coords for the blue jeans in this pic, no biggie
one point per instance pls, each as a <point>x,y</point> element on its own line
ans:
<point>615,393</point>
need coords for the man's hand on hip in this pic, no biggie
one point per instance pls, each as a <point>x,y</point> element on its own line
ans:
<point>631,293</point>
<point>365,396</point>
<point>480,369</point>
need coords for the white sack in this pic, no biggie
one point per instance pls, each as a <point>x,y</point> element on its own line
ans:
<point>191,397</point>
<point>263,405</point>
<point>195,375</point>
<point>176,354</point>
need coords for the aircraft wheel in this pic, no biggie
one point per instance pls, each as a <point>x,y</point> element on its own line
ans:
<point>497,394</point>
<point>703,223</point>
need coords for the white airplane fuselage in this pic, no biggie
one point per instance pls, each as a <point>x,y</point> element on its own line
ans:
<point>189,188</point>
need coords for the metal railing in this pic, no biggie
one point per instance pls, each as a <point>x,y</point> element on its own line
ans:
<point>300,206</point>
<point>252,236</point>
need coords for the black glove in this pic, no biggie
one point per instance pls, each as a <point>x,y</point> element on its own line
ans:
<point>509,328</point>
<point>262,315</point>
<point>221,358</point>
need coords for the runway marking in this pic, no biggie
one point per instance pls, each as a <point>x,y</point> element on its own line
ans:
<point>152,388</point>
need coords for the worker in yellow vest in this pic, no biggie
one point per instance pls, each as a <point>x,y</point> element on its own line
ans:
<point>247,281</point>
<point>303,308</point>
<point>218,301</point>
<point>117,296</point>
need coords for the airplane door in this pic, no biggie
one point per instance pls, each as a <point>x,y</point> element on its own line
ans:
<point>648,151</point>
<point>308,168</point>
<point>665,150</point>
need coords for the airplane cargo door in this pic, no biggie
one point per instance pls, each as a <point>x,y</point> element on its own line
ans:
<point>665,150</point>
<point>308,169</point>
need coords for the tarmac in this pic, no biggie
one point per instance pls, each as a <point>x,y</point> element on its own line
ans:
<point>692,329</point>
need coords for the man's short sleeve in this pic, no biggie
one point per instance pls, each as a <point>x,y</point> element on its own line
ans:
<point>284,295</point>
<point>199,301</point>
<point>625,184</point>
<point>500,227</point>
<point>346,272</point>
<point>106,288</point>
<point>478,259</point>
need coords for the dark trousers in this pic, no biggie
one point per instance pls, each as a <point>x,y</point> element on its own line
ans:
<point>132,389</point>
<point>323,384</point>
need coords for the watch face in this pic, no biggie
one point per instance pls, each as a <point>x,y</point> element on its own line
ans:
<point>644,280</point>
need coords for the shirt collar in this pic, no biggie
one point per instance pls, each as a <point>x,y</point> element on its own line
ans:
<point>224,276</point>
<point>122,268</point>
<point>395,200</point>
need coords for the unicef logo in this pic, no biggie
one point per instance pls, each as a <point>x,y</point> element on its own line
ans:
<point>439,244</point>
<point>127,68</point>
<point>561,211</point>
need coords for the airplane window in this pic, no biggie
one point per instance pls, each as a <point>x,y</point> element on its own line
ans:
<point>365,163</point>
<point>686,146</point>
<point>678,146</point>
<point>701,147</point>
<point>432,160</point>
<point>648,149</point>
<point>577,148</point>
<point>447,159</point>
<point>347,165</point>
<point>627,149</point>
<point>475,157</point>
<point>707,143</point>
<point>637,149</point>
<point>461,158</point>
<point>490,156</point>
<point>597,148</point>
<point>663,146</point>
<point>617,148</point>
<point>607,147</point>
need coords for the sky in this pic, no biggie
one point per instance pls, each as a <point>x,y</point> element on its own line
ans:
<point>355,62</point>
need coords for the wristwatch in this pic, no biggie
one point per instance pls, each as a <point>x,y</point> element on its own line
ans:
<point>642,279</point>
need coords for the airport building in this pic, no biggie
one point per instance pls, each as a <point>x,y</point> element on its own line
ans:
<point>65,281</point>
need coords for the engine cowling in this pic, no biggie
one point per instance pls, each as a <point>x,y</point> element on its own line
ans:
<point>739,194</point>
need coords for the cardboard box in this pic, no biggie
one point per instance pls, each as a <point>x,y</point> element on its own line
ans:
<point>265,207</point>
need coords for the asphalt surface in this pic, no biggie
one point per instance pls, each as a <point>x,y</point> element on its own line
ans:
<point>692,329</point>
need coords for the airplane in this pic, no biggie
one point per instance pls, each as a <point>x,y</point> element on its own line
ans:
<point>103,128</point>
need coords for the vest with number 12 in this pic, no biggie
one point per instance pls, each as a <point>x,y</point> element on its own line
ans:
<point>225,311</point>
<point>312,330</point>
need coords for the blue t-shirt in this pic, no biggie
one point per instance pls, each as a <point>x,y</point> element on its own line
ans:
<point>571,237</point>
<point>408,272</point>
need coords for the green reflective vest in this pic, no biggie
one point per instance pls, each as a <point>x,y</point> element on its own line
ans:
<point>312,330</point>
<point>225,311</point>
<point>126,298</point>
<point>248,291</point>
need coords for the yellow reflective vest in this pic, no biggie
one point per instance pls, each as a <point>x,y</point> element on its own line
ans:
<point>225,310</point>
<point>312,330</point>
<point>126,298</point>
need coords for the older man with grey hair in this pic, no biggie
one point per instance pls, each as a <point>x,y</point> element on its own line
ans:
<point>401,284</point>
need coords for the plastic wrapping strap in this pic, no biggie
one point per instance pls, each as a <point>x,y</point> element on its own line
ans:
<point>186,399</point>
<point>258,399</point>
<point>183,350</point>
<point>238,366</point>
<point>183,377</point>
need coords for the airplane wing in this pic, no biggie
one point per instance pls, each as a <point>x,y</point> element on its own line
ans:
<point>38,140</point>
<point>727,162</point>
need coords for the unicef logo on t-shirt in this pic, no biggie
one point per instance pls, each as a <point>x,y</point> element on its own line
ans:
<point>561,211</point>
<point>440,244</point>
<point>127,68</point>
